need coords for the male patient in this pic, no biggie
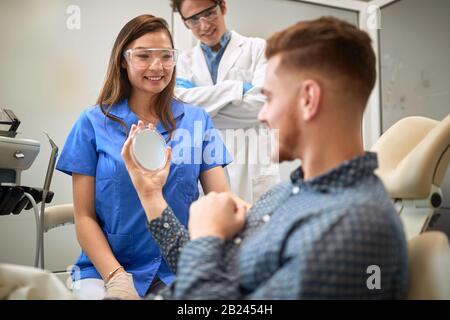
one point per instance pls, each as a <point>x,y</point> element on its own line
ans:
<point>331,232</point>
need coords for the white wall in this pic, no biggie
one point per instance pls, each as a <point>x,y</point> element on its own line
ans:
<point>261,18</point>
<point>48,75</point>
<point>415,62</point>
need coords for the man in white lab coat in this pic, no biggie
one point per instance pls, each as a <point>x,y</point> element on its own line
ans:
<point>224,74</point>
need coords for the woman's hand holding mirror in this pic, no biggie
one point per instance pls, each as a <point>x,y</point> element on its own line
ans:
<point>147,159</point>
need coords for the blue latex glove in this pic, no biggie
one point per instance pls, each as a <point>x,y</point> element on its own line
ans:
<point>183,83</point>
<point>247,86</point>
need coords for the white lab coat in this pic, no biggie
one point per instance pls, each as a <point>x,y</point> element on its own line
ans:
<point>243,61</point>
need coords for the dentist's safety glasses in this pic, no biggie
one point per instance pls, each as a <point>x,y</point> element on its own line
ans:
<point>143,58</point>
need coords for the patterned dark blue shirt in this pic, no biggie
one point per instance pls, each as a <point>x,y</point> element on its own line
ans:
<point>304,239</point>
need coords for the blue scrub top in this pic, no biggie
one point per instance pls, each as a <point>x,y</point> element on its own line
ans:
<point>93,148</point>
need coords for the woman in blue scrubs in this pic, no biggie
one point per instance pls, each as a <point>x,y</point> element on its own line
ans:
<point>119,257</point>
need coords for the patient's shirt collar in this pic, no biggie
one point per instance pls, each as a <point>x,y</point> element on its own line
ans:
<point>345,175</point>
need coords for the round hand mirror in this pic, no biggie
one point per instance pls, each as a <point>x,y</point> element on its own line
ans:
<point>149,149</point>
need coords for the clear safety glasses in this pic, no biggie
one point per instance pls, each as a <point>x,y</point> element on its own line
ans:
<point>143,58</point>
<point>209,14</point>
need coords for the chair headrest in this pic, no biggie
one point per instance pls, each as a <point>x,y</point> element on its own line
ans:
<point>413,154</point>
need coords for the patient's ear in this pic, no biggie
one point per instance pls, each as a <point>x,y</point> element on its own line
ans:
<point>310,96</point>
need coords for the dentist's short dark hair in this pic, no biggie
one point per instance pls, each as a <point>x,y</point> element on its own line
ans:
<point>176,4</point>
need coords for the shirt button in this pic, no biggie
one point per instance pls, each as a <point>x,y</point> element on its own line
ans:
<point>166,225</point>
<point>266,218</point>
<point>237,240</point>
<point>295,190</point>
<point>159,297</point>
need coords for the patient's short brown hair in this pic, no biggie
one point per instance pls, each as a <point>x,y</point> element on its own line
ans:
<point>333,47</point>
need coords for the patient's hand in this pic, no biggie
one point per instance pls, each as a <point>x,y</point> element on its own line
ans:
<point>147,183</point>
<point>242,203</point>
<point>217,215</point>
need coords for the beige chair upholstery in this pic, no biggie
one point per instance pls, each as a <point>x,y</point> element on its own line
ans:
<point>54,216</point>
<point>58,215</point>
<point>413,157</point>
<point>26,283</point>
<point>429,263</point>
<point>413,154</point>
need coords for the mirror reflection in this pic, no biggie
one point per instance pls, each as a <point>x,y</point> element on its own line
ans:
<point>149,149</point>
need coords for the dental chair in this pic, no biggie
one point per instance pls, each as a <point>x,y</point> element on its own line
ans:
<point>429,265</point>
<point>413,157</point>
<point>58,215</point>
<point>26,283</point>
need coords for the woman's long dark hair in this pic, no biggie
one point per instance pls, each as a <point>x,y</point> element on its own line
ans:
<point>117,86</point>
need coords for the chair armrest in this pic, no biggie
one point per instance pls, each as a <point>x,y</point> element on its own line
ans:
<point>58,215</point>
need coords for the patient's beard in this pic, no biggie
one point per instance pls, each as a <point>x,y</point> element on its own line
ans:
<point>288,145</point>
